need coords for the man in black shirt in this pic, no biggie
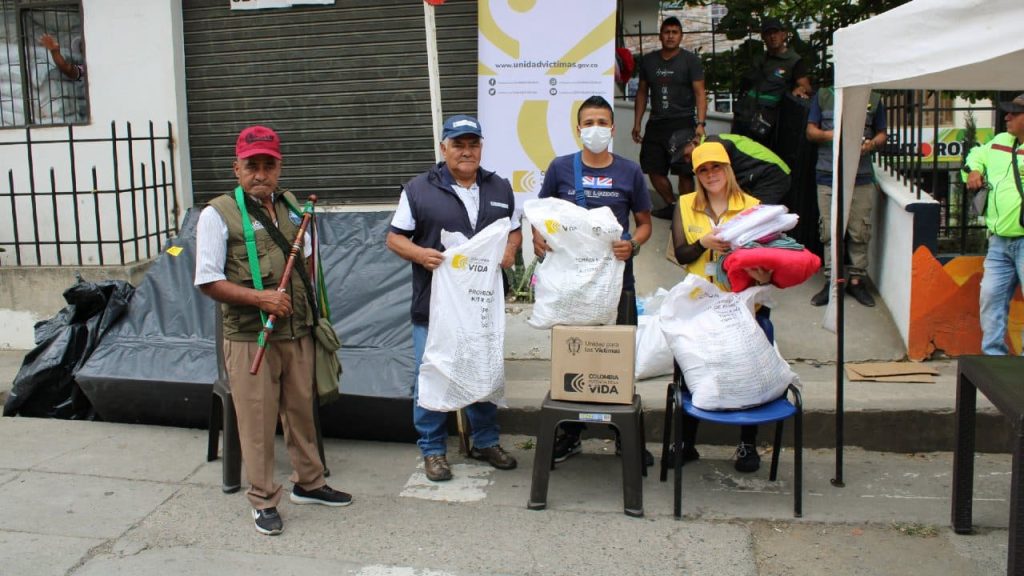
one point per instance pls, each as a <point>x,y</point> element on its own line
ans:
<point>673,80</point>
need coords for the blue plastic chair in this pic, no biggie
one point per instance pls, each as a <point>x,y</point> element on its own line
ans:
<point>777,411</point>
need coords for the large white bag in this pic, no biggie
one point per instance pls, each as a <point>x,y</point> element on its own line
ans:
<point>653,356</point>
<point>580,280</point>
<point>464,358</point>
<point>726,359</point>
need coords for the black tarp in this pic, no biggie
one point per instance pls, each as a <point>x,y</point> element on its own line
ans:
<point>158,364</point>
<point>45,384</point>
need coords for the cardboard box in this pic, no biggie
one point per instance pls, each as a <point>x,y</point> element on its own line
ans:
<point>593,363</point>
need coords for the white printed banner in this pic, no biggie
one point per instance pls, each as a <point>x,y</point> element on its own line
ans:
<point>263,4</point>
<point>539,60</point>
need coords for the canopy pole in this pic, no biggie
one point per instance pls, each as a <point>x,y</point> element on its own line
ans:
<point>436,114</point>
<point>839,276</point>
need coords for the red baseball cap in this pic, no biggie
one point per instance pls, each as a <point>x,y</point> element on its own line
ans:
<point>258,140</point>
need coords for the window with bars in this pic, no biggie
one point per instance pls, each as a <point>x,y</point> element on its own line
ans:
<point>944,108</point>
<point>38,87</point>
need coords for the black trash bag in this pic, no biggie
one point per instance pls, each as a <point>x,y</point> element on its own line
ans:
<point>45,385</point>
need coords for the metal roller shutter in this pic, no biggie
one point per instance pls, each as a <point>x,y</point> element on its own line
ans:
<point>345,85</point>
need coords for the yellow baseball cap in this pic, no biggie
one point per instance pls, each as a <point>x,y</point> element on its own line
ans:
<point>709,152</point>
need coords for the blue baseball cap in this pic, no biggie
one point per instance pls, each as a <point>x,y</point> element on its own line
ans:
<point>461,125</point>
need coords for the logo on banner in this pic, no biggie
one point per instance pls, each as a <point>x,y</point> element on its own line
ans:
<point>526,180</point>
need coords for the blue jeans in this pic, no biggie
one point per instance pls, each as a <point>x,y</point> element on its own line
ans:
<point>1004,270</point>
<point>433,426</point>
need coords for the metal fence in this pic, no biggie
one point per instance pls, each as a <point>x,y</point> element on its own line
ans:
<point>112,200</point>
<point>925,152</point>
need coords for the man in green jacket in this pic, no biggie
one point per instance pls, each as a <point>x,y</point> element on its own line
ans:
<point>999,164</point>
<point>282,390</point>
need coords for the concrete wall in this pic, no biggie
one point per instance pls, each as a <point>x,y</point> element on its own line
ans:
<point>892,248</point>
<point>31,294</point>
<point>135,74</point>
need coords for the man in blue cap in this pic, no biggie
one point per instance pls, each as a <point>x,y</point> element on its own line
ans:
<point>459,196</point>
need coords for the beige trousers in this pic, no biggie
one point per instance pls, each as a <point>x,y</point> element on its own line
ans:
<point>283,386</point>
<point>858,229</point>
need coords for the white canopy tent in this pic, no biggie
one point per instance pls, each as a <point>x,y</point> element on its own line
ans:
<point>924,44</point>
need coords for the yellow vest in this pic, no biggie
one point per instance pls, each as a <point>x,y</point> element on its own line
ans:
<point>696,225</point>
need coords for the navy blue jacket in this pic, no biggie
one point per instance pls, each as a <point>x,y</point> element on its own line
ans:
<point>435,206</point>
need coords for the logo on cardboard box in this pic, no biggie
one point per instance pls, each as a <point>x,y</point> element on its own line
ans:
<point>592,383</point>
<point>574,344</point>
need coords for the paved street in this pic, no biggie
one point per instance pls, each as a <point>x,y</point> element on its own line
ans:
<point>91,498</point>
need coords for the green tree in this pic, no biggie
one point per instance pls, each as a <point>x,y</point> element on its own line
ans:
<point>743,20</point>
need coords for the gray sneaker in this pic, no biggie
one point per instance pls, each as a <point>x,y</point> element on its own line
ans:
<point>268,521</point>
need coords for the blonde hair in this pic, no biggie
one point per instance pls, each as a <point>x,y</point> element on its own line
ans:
<point>732,189</point>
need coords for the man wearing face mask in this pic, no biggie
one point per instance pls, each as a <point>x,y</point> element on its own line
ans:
<point>608,180</point>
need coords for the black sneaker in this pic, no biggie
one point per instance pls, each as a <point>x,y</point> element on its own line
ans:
<point>267,521</point>
<point>747,458</point>
<point>861,294</point>
<point>566,445</point>
<point>821,298</point>
<point>689,455</point>
<point>324,495</point>
<point>665,212</point>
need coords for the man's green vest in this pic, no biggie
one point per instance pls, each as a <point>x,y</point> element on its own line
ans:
<point>243,323</point>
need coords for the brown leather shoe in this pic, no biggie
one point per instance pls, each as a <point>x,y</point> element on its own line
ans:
<point>437,468</point>
<point>495,456</point>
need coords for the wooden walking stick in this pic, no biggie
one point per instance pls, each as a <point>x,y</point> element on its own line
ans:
<point>263,341</point>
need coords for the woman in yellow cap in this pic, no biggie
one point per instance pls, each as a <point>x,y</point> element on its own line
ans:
<point>718,199</point>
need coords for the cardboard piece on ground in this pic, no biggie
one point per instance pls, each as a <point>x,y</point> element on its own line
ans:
<point>903,378</point>
<point>891,372</point>
<point>892,368</point>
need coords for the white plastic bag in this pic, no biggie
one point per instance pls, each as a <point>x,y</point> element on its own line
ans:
<point>653,356</point>
<point>464,358</point>
<point>580,280</point>
<point>726,359</point>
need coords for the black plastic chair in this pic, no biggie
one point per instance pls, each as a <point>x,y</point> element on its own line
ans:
<point>778,411</point>
<point>627,419</point>
<point>223,418</point>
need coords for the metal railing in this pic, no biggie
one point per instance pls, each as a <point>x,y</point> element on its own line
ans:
<point>919,156</point>
<point>123,214</point>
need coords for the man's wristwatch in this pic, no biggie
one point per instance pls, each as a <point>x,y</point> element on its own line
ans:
<point>636,247</point>
<point>702,123</point>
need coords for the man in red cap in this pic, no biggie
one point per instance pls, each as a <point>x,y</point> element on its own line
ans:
<point>283,387</point>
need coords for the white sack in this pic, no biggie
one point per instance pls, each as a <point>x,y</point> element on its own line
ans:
<point>464,358</point>
<point>580,280</point>
<point>653,356</point>
<point>726,359</point>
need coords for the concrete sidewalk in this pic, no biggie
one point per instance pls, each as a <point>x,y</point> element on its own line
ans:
<point>92,498</point>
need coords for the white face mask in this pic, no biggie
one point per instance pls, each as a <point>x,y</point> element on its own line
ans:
<point>596,138</point>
